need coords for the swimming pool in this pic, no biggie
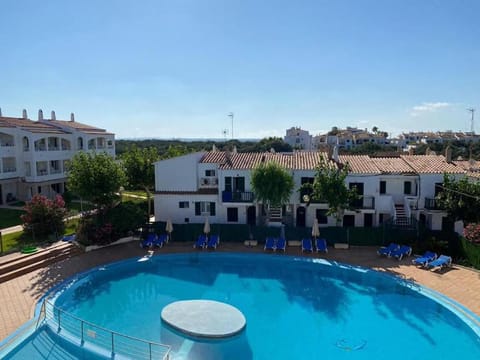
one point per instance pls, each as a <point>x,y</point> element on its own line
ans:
<point>295,308</point>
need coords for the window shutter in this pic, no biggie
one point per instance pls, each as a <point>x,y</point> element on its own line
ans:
<point>197,208</point>
<point>212,209</point>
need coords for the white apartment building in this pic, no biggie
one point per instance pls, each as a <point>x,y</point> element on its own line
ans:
<point>217,185</point>
<point>349,138</point>
<point>298,139</point>
<point>34,155</point>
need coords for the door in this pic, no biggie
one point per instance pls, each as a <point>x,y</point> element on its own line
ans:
<point>1,195</point>
<point>300,216</point>
<point>251,215</point>
<point>367,220</point>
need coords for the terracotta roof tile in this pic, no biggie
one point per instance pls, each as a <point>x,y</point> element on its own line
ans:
<point>392,165</point>
<point>30,125</point>
<point>299,160</point>
<point>432,164</point>
<point>359,164</point>
<point>472,167</point>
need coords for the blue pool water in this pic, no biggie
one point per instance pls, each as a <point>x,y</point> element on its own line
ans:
<point>296,308</point>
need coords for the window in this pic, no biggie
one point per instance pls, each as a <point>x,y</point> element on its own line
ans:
<point>235,183</point>
<point>321,216</point>
<point>407,187</point>
<point>232,214</point>
<point>183,204</point>
<point>209,172</point>
<point>383,187</point>
<point>204,208</point>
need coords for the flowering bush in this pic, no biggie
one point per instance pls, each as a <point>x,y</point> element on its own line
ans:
<point>44,216</point>
<point>472,233</point>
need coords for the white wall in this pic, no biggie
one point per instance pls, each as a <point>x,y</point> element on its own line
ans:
<point>178,174</point>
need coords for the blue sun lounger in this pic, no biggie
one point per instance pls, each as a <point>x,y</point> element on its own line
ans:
<point>307,245</point>
<point>425,258</point>
<point>321,245</point>
<point>270,244</point>
<point>386,250</point>
<point>281,244</point>
<point>148,241</point>
<point>402,251</point>
<point>213,241</point>
<point>160,240</point>
<point>201,242</point>
<point>441,262</point>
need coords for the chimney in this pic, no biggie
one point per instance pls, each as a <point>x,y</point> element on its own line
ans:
<point>24,114</point>
<point>40,115</point>
<point>234,149</point>
<point>53,117</point>
<point>335,154</point>
<point>72,117</point>
<point>448,154</point>
<point>428,151</point>
<point>411,151</point>
<point>214,148</point>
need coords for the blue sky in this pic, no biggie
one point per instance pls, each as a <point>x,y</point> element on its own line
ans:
<point>177,68</point>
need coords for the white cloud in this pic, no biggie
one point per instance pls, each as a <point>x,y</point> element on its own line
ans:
<point>428,107</point>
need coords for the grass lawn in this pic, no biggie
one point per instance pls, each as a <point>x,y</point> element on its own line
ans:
<point>11,242</point>
<point>16,241</point>
<point>142,193</point>
<point>10,217</point>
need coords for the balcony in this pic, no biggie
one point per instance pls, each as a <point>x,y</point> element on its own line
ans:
<point>238,196</point>
<point>364,202</point>
<point>432,204</point>
<point>208,182</point>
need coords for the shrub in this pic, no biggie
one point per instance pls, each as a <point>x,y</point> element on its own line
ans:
<point>472,233</point>
<point>107,226</point>
<point>44,216</point>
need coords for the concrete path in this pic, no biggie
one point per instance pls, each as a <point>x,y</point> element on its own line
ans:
<point>19,296</point>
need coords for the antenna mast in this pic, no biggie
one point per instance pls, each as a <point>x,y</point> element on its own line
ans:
<point>231,116</point>
<point>472,110</point>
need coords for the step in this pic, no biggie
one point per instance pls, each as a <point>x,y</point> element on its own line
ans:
<point>19,256</point>
<point>26,259</point>
<point>37,265</point>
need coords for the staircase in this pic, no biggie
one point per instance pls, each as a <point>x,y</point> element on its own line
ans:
<point>12,267</point>
<point>275,216</point>
<point>401,217</point>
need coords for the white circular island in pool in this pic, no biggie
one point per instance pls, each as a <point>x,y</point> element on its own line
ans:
<point>204,318</point>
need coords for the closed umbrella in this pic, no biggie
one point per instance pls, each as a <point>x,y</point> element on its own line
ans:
<point>169,229</point>
<point>315,229</point>
<point>206,227</point>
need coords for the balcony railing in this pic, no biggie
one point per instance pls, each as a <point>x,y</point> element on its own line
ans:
<point>209,181</point>
<point>364,202</point>
<point>432,204</point>
<point>237,196</point>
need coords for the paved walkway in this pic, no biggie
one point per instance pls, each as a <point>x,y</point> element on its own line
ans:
<point>19,296</point>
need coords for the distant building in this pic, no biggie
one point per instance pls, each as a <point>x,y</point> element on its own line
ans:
<point>298,139</point>
<point>34,155</point>
<point>406,140</point>
<point>350,138</point>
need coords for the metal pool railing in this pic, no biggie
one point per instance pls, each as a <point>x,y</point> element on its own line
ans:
<point>99,339</point>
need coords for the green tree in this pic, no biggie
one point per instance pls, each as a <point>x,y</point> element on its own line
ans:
<point>139,169</point>
<point>274,143</point>
<point>96,178</point>
<point>329,186</point>
<point>272,184</point>
<point>460,198</point>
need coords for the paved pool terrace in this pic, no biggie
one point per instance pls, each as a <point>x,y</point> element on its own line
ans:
<point>19,296</point>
